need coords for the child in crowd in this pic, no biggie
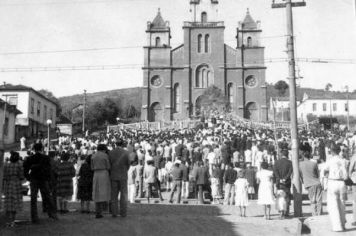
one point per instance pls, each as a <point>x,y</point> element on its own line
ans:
<point>241,193</point>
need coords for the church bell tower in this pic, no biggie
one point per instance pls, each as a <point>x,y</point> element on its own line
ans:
<point>204,10</point>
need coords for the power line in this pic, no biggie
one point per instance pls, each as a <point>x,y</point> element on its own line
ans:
<point>33,3</point>
<point>139,66</point>
<point>68,50</point>
<point>99,49</point>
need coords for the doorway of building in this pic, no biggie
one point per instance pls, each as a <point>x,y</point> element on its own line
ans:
<point>156,112</point>
<point>251,111</point>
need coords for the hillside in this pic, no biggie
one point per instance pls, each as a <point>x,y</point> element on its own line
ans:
<point>122,97</point>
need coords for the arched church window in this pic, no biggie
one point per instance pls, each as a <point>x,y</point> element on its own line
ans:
<point>176,98</point>
<point>158,41</point>
<point>249,42</point>
<point>204,17</point>
<point>200,41</point>
<point>204,76</point>
<point>207,43</point>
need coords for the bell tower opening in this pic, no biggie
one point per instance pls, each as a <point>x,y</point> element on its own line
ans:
<point>204,17</point>
<point>201,9</point>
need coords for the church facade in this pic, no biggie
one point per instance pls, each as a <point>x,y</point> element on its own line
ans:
<point>175,78</point>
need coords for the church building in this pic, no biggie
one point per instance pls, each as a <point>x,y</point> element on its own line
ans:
<point>175,78</point>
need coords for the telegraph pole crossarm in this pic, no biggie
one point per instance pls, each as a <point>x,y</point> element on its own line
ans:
<point>297,187</point>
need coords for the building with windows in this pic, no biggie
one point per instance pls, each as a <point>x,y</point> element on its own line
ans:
<point>7,123</point>
<point>35,107</point>
<point>330,104</point>
<point>175,78</point>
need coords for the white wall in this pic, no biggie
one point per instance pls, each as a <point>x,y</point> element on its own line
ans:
<point>307,108</point>
<point>24,105</point>
<point>41,118</point>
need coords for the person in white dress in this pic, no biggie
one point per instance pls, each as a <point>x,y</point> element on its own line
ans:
<point>265,190</point>
<point>241,193</point>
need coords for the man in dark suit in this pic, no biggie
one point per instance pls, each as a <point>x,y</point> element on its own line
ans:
<point>37,170</point>
<point>120,164</point>
<point>201,176</point>
<point>282,171</point>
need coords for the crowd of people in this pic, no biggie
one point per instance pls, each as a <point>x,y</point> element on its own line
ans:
<point>224,163</point>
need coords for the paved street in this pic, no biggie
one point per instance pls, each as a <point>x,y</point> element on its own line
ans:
<point>159,219</point>
<point>172,219</point>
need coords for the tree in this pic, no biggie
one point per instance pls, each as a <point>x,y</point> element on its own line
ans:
<point>130,111</point>
<point>281,86</point>
<point>212,100</point>
<point>102,113</point>
<point>328,86</point>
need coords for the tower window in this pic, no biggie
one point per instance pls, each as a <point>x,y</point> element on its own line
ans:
<point>249,42</point>
<point>207,39</point>
<point>158,41</point>
<point>200,41</point>
<point>204,17</point>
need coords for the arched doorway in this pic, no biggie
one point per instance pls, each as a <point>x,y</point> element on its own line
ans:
<point>251,111</point>
<point>156,112</point>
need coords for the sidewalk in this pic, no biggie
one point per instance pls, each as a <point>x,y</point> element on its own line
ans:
<point>321,226</point>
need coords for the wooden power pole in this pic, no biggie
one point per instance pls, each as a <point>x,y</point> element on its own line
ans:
<point>297,187</point>
<point>84,106</point>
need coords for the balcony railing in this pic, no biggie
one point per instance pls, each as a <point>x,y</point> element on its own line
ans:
<point>203,24</point>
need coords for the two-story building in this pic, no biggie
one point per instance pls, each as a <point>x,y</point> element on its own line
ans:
<point>330,104</point>
<point>35,107</point>
<point>8,115</point>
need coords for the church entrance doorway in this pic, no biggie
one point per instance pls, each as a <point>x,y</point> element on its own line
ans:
<point>198,109</point>
<point>251,111</point>
<point>156,112</point>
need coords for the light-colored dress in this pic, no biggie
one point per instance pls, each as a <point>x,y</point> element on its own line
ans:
<point>101,181</point>
<point>265,189</point>
<point>241,194</point>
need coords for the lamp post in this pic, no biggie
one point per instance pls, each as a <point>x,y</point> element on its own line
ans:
<point>49,122</point>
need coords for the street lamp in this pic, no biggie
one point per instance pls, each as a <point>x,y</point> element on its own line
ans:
<point>49,122</point>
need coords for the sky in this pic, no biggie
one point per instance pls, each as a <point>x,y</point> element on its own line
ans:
<point>111,33</point>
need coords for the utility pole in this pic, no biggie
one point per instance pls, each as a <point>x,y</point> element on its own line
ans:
<point>297,187</point>
<point>242,48</point>
<point>84,105</point>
